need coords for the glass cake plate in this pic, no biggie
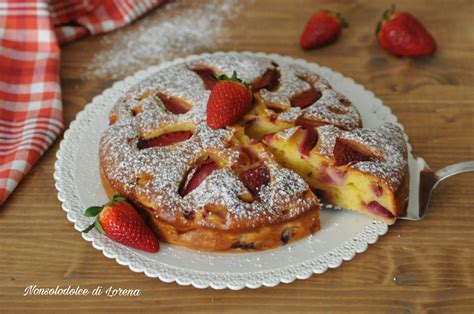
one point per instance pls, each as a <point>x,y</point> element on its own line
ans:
<point>343,233</point>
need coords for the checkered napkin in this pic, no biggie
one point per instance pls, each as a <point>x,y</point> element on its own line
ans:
<point>30,94</point>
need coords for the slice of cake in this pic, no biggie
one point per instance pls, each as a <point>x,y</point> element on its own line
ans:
<point>362,170</point>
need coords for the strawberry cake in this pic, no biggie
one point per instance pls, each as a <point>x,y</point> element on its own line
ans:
<point>215,169</point>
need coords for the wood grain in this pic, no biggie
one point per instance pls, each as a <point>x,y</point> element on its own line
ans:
<point>417,267</point>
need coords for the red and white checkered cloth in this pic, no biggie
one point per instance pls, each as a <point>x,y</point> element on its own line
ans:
<point>30,94</point>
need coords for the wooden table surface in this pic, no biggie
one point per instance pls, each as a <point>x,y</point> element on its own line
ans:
<point>416,267</point>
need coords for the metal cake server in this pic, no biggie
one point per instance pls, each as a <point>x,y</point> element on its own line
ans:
<point>423,181</point>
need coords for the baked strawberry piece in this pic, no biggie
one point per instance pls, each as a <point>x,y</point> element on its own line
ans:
<point>313,102</point>
<point>165,139</point>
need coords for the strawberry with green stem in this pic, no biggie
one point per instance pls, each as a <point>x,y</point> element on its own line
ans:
<point>119,221</point>
<point>402,34</point>
<point>322,28</point>
<point>229,100</point>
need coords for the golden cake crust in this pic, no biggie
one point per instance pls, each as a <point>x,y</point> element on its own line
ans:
<point>193,236</point>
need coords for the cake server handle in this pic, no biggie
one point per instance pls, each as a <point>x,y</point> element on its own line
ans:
<point>454,169</point>
<point>424,181</point>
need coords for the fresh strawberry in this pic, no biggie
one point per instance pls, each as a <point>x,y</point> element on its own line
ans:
<point>230,99</point>
<point>402,34</point>
<point>119,221</point>
<point>306,98</point>
<point>165,139</point>
<point>197,174</point>
<point>255,178</point>
<point>174,105</point>
<point>310,139</point>
<point>344,153</point>
<point>322,28</point>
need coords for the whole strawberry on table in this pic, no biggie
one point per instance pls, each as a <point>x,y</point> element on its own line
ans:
<point>322,28</point>
<point>119,221</point>
<point>402,34</point>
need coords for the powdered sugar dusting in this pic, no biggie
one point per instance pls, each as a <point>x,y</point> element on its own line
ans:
<point>386,141</point>
<point>154,175</point>
<point>328,108</point>
<point>287,133</point>
<point>176,29</point>
<point>250,69</point>
<point>290,85</point>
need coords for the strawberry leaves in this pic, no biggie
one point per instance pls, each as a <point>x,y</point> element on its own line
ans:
<point>341,19</point>
<point>233,78</point>
<point>98,226</point>
<point>89,228</point>
<point>385,16</point>
<point>121,222</point>
<point>94,211</point>
<point>118,198</point>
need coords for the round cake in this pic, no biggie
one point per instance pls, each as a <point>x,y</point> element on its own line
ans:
<point>238,188</point>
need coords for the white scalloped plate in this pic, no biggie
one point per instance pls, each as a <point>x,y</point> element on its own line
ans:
<point>343,234</point>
